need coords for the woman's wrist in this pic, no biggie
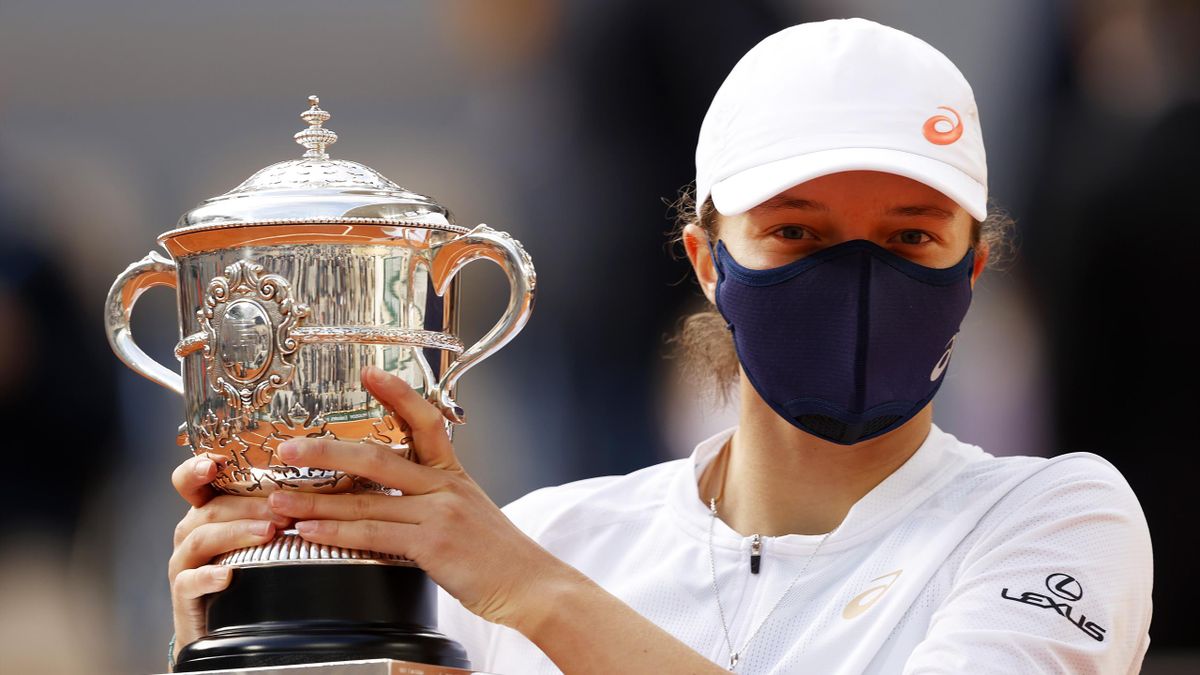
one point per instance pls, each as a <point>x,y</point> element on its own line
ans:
<point>582,628</point>
<point>537,598</point>
<point>548,598</point>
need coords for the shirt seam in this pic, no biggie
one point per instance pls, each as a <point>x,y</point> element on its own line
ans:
<point>1017,509</point>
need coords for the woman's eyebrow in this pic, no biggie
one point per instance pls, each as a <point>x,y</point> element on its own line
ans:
<point>921,210</point>
<point>779,202</point>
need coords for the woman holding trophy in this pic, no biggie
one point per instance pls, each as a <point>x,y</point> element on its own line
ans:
<point>838,227</point>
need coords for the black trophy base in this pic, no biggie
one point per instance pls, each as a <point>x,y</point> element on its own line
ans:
<point>291,614</point>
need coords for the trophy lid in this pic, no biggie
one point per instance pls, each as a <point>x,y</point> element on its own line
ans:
<point>315,189</point>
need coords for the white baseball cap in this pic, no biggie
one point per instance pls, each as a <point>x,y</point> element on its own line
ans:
<point>840,95</point>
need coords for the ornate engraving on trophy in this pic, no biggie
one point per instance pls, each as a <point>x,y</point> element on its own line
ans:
<point>253,466</point>
<point>299,424</point>
<point>248,319</point>
<point>220,437</point>
<point>395,435</point>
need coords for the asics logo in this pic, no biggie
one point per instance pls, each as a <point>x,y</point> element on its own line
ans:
<point>867,599</point>
<point>941,130</point>
<point>944,361</point>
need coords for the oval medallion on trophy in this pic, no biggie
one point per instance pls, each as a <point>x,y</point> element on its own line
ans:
<point>245,340</point>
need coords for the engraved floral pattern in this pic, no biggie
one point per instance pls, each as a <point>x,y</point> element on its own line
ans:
<point>245,279</point>
<point>254,467</point>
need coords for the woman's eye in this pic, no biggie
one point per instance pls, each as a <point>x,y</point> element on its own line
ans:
<point>791,232</point>
<point>914,237</point>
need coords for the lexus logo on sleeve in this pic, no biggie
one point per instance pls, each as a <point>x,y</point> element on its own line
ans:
<point>1064,586</point>
<point>1064,589</point>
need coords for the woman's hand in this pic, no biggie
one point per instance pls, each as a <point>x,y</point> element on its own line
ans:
<point>444,522</point>
<point>214,525</point>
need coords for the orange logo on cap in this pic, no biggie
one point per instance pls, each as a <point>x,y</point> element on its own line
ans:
<point>943,136</point>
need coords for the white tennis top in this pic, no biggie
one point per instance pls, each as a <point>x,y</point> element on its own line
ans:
<point>959,562</point>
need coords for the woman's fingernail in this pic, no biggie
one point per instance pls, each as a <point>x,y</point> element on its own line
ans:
<point>221,574</point>
<point>288,450</point>
<point>260,527</point>
<point>202,467</point>
<point>281,500</point>
<point>306,527</point>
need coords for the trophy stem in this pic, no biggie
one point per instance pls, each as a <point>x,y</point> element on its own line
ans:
<point>306,613</point>
<point>289,548</point>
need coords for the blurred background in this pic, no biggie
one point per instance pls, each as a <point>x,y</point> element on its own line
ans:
<point>571,124</point>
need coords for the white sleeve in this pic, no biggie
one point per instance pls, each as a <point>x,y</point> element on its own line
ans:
<point>465,628</point>
<point>1059,583</point>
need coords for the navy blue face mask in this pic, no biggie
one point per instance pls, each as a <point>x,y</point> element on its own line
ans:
<point>849,342</point>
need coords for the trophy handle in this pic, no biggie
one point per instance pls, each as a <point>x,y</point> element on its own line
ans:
<point>502,249</point>
<point>153,270</point>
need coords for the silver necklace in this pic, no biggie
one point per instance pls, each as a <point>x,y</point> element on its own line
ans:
<point>735,656</point>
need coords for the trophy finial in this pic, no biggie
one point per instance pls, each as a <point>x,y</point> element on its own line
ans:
<point>315,137</point>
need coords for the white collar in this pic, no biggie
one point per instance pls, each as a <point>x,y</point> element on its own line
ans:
<point>934,463</point>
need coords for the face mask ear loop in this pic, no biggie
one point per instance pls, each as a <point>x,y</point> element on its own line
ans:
<point>713,252</point>
<point>720,278</point>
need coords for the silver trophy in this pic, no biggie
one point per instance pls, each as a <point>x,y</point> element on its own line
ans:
<point>290,285</point>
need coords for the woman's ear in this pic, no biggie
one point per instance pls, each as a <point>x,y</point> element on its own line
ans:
<point>981,256</point>
<point>695,242</point>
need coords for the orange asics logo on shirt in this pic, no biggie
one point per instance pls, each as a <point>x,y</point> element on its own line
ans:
<point>867,599</point>
<point>936,130</point>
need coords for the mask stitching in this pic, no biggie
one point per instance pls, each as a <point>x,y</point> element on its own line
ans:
<point>935,276</point>
<point>864,328</point>
<point>810,406</point>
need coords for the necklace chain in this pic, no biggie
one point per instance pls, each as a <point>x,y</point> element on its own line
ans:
<point>735,656</point>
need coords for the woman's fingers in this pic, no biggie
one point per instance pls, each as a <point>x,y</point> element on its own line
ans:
<point>436,463</point>
<point>365,506</point>
<point>428,425</point>
<point>400,539</point>
<point>223,508</point>
<point>370,460</point>
<point>211,539</point>
<point>192,477</point>
<point>196,583</point>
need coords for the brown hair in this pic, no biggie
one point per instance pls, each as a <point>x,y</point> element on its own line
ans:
<point>702,344</point>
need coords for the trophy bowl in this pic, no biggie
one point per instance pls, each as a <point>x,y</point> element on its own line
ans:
<point>288,286</point>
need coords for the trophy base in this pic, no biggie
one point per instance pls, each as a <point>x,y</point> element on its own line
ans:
<point>365,667</point>
<point>289,614</point>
